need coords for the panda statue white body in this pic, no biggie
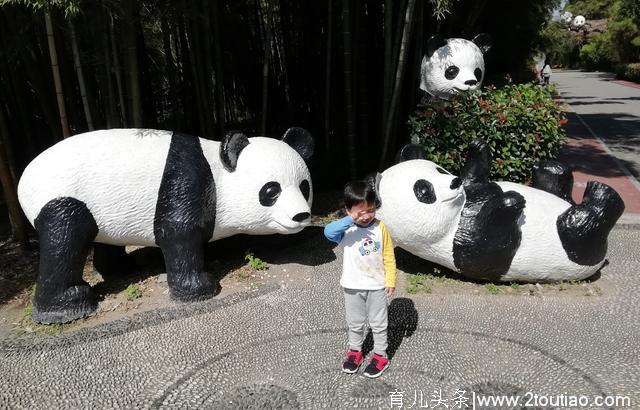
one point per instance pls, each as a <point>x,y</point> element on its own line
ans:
<point>453,66</point>
<point>498,231</point>
<point>119,187</point>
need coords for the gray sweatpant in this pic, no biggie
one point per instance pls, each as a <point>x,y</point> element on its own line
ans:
<point>360,305</point>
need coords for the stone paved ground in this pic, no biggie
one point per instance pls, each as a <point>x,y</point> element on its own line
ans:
<point>281,347</point>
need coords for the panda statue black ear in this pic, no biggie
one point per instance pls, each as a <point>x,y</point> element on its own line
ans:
<point>409,152</point>
<point>434,43</point>
<point>300,140</point>
<point>483,41</point>
<point>232,144</point>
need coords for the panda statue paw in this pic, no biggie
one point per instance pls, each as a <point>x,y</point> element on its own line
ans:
<point>476,169</point>
<point>191,287</point>
<point>73,303</point>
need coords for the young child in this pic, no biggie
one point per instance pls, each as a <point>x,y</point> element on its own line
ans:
<point>368,275</point>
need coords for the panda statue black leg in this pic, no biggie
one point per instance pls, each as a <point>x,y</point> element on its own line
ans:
<point>111,260</point>
<point>584,228</point>
<point>66,229</point>
<point>185,219</point>
<point>184,261</point>
<point>554,177</point>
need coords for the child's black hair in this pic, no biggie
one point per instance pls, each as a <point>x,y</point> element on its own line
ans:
<point>356,192</point>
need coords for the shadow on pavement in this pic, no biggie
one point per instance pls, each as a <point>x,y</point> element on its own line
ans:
<point>403,322</point>
<point>620,132</point>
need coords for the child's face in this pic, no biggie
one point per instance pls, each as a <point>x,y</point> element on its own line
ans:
<point>362,213</point>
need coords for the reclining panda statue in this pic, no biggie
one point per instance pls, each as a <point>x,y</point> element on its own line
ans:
<point>120,187</point>
<point>453,66</point>
<point>497,231</point>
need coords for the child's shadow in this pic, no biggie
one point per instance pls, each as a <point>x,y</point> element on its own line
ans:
<point>403,321</point>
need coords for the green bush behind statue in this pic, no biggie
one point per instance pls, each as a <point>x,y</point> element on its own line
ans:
<point>521,122</point>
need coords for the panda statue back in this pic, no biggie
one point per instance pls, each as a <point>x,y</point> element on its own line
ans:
<point>118,187</point>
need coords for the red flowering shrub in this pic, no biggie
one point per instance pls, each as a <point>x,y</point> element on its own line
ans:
<point>522,124</point>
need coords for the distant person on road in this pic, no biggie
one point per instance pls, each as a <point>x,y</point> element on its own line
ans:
<point>546,73</point>
<point>368,275</point>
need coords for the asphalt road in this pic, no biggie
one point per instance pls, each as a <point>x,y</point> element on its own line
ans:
<point>610,108</point>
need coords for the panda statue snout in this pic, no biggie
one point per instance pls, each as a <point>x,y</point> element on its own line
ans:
<point>91,190</point>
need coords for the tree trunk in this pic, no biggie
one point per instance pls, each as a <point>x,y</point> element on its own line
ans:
<point>397,88</point>
<point>327,82</point>
<point>175,101</point>
<point>9,188</point>
<point>414,72</point>
<point>81,83</point>
<point>219,79</point>
<point>106,69</point>
<point>42,90</point>
<point>195,71</point>
<point>208,75</point>
<point>56,75</point>
<point>116,69</point>
<point>16,95</point>
<point>362,70</point>
<point>266,18</point>
<point>131,60</point>
<point>388,50</point>
<point>348,92</point>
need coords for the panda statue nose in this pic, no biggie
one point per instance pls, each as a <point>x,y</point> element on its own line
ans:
<point>455,183</point>
<point>471,82</point>
<point>301,216</point>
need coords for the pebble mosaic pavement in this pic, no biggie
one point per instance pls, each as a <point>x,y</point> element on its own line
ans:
<point>281,347</point>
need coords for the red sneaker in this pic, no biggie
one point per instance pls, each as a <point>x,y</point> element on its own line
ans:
<point>377,365</point>
<point>352,361</point>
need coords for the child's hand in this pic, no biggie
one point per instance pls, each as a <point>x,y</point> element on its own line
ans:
<point>389,292</point>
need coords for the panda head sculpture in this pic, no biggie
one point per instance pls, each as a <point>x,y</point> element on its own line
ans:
<point>268,187</point>
<point>567,17</point>
<point>452,66</point>
<point>496,231</point>
<point>578,22</point>
<point>418,188</point>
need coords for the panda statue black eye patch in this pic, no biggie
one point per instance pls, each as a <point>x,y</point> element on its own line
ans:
<point>451,72</point>
<point>442,171</point>
<point>424,192</point>
<point>478,73</point>
<point>269,193</point>
<point>305,189</point>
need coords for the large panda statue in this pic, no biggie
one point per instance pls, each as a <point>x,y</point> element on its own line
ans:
<point>453,66</point>
<point>155,188</point>
<point>497,231</point>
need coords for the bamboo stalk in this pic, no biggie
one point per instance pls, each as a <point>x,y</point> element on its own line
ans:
<point>397,89</point>
<point>56,75</point>
<point>80,74</point>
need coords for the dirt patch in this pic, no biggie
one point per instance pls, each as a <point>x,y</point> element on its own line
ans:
<point>423,277</point>
<point>146,288</point>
